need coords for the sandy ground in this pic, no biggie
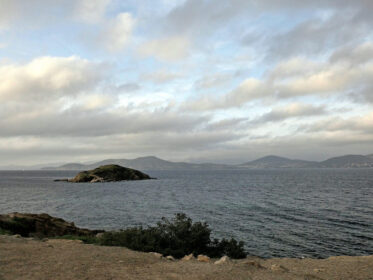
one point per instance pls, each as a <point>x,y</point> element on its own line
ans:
<point>22,258</point>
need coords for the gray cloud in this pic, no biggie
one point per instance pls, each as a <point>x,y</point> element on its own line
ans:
<point>226,124</point>
<point>212,81</point>
<point>128,87</point>
<point>77,122</point>
<point>295,110</point>
<point>362,124</point>
<point>354,55</point>
<point>317,36</point>
<point>300,77</point>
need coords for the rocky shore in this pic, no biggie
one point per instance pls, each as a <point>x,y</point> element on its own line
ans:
<point>28,258</point>
<point>41,225</point>
<point>29,250</point>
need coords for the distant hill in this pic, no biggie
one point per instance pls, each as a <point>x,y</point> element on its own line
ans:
<point>278,162</point>
<point>144,163</point>
<point>348,161</point>
<point>154,163</point>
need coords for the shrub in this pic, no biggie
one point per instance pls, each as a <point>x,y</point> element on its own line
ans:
<point>177,237</point>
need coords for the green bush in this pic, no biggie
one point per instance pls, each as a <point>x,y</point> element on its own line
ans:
<point>177,237</point>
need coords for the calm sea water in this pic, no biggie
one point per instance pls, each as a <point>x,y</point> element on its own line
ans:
<point>278,213</point>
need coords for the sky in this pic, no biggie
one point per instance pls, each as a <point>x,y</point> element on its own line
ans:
<point>184,80</point>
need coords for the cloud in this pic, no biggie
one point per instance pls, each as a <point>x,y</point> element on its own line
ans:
<point>48,77</point>
<point>161,76</point>
<point>92,115</point>
<point>249,89</point>
<point>362,124</point>
<point>90,11</point>
<point>301,77</point>
<point>36,13</point>
<point>293,110</point>
<point>212,81</point>
<point>318,35</point>
<point>128,87</point>
<point>280,92</point>
<point>354,55</point>
<point>166,49</point>
<point>226,124</point>
<point>117,32</point>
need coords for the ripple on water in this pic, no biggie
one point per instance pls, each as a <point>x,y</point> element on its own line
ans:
<point>278,213</point>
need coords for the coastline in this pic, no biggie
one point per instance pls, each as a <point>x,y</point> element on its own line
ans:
<point>28,258</point>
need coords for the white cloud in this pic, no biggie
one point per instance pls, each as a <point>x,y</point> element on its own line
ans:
<point>166,49</point>
<point>300,77</point>
<point>118,32</point>
<point>48,77</point>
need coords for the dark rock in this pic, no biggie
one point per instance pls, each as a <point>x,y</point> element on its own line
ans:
<point>41,225</point>
<point>109,173</point>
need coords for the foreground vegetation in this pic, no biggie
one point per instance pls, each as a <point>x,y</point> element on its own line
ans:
<point>176,237</point>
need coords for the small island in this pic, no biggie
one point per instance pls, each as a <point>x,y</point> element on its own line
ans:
<point>108,173</point>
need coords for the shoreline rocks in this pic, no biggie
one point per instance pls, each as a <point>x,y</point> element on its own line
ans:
<point>41,225</point>
<point>188,257</point>
<point>222,260</point>
<point>203,258</point>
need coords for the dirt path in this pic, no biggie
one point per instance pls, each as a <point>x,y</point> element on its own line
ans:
<point>24,259</point>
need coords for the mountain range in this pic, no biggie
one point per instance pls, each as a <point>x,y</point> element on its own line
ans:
<point>154,163</point>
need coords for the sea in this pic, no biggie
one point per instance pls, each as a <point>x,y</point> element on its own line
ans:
<point>277,213</point>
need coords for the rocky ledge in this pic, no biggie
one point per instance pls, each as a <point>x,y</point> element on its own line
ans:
<point>40,225</point>
<point>108,173</point>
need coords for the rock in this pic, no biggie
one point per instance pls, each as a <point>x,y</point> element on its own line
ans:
<point>203,258</point>
<point>98,180</point>
<point>222,260</point>
<point>170,258</point>
<point>188,257</point>
<point>109,173</point>
<point>254,264</point>
<point>100,235</point>
<point>158,255</point>
<point>277,267</point>
<point>41,225</point>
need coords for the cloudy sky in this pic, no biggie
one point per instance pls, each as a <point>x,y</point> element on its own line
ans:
<point>193,80</point>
